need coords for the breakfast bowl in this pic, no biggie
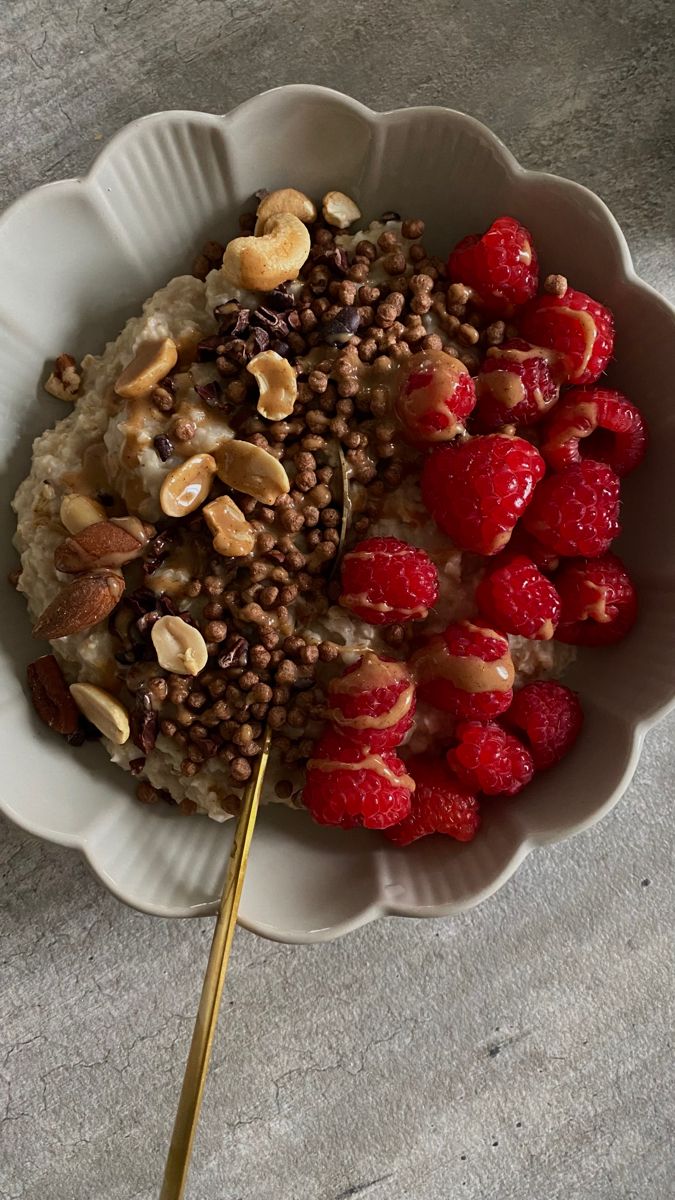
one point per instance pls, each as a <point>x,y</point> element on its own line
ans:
<point>77,258</point>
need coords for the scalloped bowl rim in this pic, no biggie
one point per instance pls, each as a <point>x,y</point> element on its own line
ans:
<point>81,841</point>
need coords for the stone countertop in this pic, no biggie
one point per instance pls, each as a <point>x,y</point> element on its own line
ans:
<point>522,1051</point>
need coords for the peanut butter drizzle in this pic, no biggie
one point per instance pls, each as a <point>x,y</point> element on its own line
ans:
<point>469,673</point>
<point>372,762</point>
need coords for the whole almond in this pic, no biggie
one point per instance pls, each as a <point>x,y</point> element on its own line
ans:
<point>106,544</point>
<point>51,698</point>
<point>82,603</point>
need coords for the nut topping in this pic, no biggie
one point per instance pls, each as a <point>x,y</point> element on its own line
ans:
<point>187,485</point>
<point>151,362</point>
<point>250,469</point>
<point>103,710</point>
<point>262,263</point>
<point>339,210</point>
<point>285,200</point>
<point>52,701</point>
<point>79,511</point>
<point>106,544</point>
<point>64,381</point>
<point>82,603</point>
<point>180,648</point>
<point>277,383</point>
<point>232,534</point>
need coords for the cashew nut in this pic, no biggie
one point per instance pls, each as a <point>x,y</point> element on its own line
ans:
<point>339,210</point>
<point>151,362</point>
<point>187,485</point>
<point>260,264</point>
<point>285,200</point>
<point>232,534</point>
<point>250,469</point>
<point>180,647</point>
<point>103,710</point>
<point>77,512</point>
<point>277,383</point>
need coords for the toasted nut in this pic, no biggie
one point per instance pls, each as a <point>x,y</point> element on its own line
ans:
<point>277,382</point>
<point>79,511</point>
<point>232,534</point>
<point>103,710</point>
<point>339,210</point>
<point>105,544</point>
<point>187,486</point>
<point>82,603</point>
<point>64,381</point>
<point>52,701</point>
<point>251,470</point>
<point>151,362</point>
<point>285,200</point>
<point>262,263</point>
<point>180,648</point>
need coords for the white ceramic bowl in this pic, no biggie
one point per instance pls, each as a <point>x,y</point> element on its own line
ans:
<point>78,257</point>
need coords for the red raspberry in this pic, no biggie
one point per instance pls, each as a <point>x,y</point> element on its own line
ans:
<point>579,329</point>
<point>436,397</point>
<point>550,717</point>
<point>466,671</point>
<point>501,265</point>
<point>595,423</point>
<point>599,602</point>
<point>515,597</point>
<point>441,804</point>
<point>348,785</point>
<point>476,491</point>
<point>576,512</point>
<point>490,760</point>
<point>373,702</point>
<point>514,386</point>
<point>386,582</point>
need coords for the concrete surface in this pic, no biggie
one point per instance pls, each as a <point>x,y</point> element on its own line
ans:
<point>521,1052</point>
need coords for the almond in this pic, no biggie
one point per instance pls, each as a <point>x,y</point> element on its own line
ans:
<point>52,701</point>
<point>103,710</point>
<point>82,603</point>
<point>106,544</point>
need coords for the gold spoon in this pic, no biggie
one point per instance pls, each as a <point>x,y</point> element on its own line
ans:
<point>190,1102</point>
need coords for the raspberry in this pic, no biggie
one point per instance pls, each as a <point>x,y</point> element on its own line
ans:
<point>576,512</point>
<point>373,702</point>
<point>490,760</point>
<point>466,671</point>
<point>514,386</point>
<point>349,785</point>
<point>436,397</point>
<point>595,423</point>
<point>501,265</point>
<point>476,491</point>
<point>599,603</point>
<point>441,804</point>
<point>580,330</point>
<point>515,597</point>
<point>550,717</point>
<point>387,582</point>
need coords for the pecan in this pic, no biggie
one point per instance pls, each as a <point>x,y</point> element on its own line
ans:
<point>51,698</point>
<point>82,603</point>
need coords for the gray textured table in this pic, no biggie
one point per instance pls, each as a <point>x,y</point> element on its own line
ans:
<point>520,1052</point>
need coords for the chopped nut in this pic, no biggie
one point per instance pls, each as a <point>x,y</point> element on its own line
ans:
<point>64,381</point>
<point>180,647</point>
<point>339,210</point>
<point>103,710</point>
<point>251,470</point>
<point>277,383</point>
<point>232,534</point>
<point>77,512</point>
<point>187,485</point>
<point>151,362</point>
